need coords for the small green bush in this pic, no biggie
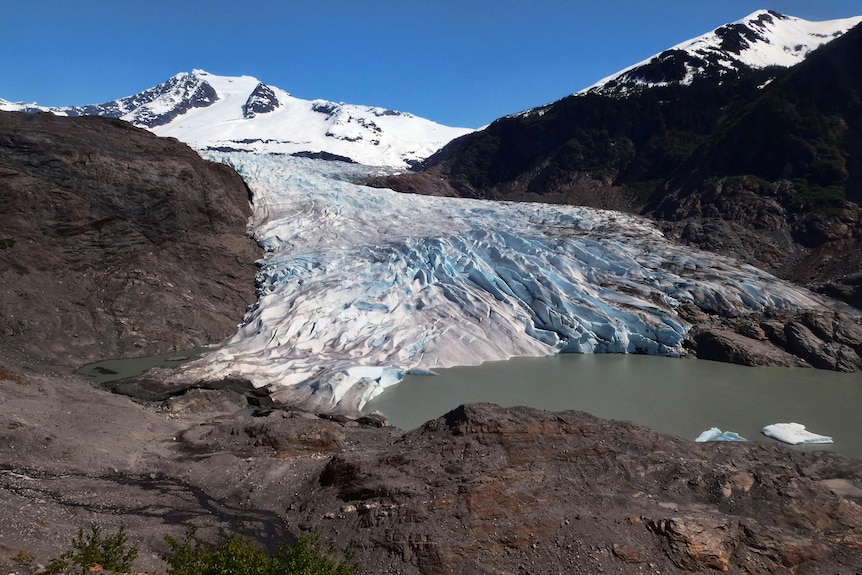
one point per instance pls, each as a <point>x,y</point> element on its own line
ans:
<point>234,554</point>
<point>111,552</point>
<point>6,243</point>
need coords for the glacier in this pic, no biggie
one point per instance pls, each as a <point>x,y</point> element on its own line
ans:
<point>360,285</point>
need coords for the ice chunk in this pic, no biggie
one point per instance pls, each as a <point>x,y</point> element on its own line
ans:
<point>715,434</point>
<point>793,433</point>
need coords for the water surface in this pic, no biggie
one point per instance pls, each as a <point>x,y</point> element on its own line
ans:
<point>109,370</point>
<point>678,396</point>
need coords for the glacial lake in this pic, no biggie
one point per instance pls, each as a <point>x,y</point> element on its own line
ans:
<point>681,397</point>
<point>109,370</point>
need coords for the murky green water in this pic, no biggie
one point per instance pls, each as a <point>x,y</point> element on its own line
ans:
<point>113,369</point>
<point>677,396</point>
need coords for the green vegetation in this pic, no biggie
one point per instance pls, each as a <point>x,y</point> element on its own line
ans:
<point>631,141</point>
<point>236,554</point>
<point>232,554</point>
<point>110,552</point>
<point>6,243</point>
<point>826,200</point>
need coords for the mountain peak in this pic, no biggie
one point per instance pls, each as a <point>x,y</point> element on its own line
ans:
<point>241,113</point>
<point>761,39</point>
<point>262,100</point>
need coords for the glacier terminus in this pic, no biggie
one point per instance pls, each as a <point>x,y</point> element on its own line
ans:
<point>359,285</point>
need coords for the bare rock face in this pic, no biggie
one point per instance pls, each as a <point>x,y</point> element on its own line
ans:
<point>110,240</point>
<point>486,489</point>
<point>830,340</point>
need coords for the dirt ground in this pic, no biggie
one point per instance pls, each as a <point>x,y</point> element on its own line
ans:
<point>481,490</point>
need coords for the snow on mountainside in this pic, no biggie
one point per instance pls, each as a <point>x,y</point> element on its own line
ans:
<point>228,113</point>
<point>765,38</point>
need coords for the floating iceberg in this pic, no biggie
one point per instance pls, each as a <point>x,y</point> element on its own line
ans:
<point>715,434</point>
<point>360,285</point>
<point>793,433</point>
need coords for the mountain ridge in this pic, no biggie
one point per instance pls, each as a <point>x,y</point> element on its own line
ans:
<point>791,162</point>
<point>761,39</point>
<point>241,113</point>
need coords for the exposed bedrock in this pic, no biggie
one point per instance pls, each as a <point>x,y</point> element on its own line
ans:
<point>828,340</point>
<point>116,242</point>
<point>483,489</point>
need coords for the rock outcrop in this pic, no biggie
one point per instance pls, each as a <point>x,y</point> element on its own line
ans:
<point>829,340</point>
<point>480,490</point>
<point>485,489</point>
<point>110,240</point>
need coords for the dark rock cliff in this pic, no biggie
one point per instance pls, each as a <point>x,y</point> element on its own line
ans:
<point>116,242</point>
<point>763,165</point>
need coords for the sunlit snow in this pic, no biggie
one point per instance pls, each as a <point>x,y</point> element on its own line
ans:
<point>365,134</point>
<point>209,112</point>
<point>774,41</point>
<point>360,285</point>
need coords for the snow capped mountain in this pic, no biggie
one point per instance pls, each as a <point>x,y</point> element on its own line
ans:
<point>360,285</point>
<point>240,113</point>
<point>765,38</point>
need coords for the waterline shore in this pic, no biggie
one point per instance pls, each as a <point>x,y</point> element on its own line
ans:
<point>682,397</point>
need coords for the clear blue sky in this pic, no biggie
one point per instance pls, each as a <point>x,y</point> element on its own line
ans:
<point>461,63</point>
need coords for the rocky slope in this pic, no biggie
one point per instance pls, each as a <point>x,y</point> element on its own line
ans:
<point>480,490</point>
<point>762,164</point>
<point>491,490</point>
<point>110,236</point>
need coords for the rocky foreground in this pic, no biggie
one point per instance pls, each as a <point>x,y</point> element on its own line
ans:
<point>482,489</point>
<point>111,251</point>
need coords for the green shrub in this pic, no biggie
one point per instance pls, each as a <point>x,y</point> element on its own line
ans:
<point>6,243</point>
<point>111,552</point>
<point>235,554</point>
